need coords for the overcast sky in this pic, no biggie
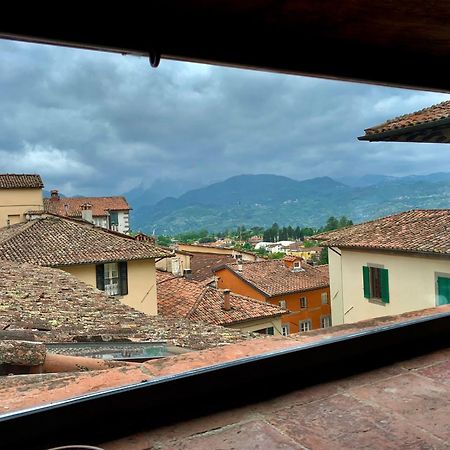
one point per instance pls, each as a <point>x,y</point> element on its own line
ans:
<point>100,124</point>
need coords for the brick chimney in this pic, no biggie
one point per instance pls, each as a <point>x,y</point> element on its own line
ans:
<point>226,300</point>
<point>54,196</point>
<point>86,212</point>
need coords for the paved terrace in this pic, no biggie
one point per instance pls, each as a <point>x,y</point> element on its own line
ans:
<point>403,405</point>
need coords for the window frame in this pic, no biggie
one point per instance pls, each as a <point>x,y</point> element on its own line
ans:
<point>303,300</point>
<point>304,322</point>
<point>382,294</point>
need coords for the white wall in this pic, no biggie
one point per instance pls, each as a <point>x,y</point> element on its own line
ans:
<point>412,284</point>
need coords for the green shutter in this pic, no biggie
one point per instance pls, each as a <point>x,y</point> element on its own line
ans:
<point>123,278</point>
<point>443,290</point>
<point>384,285</point>
<point>100,276</point>
<point>366,281</point>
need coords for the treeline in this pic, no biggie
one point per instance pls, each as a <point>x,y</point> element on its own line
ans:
<point>242,234</point>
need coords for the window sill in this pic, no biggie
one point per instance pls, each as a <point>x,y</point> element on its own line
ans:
<point>377,301</point>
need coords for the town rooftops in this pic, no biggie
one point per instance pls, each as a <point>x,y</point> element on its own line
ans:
<point>273,278</point>
<point>71,207</point>
<point>50,305</point>
<point>202,264</point>
<point>20,181</point>
<point>418,231</point>
<point>430,124</point>
<point>179,297</point>
<point>57,241</point>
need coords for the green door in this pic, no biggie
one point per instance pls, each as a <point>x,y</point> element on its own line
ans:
<point>443,291</point>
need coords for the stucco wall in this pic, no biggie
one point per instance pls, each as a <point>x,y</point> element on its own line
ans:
<point>412,284</point>
<point>314,312</point>
<point>255,325</point>
<point>141,283</point>
<point>17,202</point>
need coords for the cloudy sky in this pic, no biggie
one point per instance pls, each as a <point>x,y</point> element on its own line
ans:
<point>101,124</point>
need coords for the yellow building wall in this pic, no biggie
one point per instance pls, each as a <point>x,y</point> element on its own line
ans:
<point>141,283</point>
<point>412,284</point>
<point>260,324</point>
<point>314,311</point>
<point>16,202</point>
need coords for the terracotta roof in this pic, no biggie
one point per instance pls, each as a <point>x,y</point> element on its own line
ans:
<point>423,121</point>
<point>20,181</point>
<point>54,306</point>
<point>203,263</point>
<point>56,241</point>
<point>423,231</point>
<point>180,297</point>
<point>274,278</point>
<point>71,207</point>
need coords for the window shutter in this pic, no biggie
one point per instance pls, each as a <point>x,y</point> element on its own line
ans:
<point>366,281</point>
<point>384,285</point>
<point>123,278</point>
<point>100,276</point>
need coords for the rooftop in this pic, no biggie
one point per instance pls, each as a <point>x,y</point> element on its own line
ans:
<point>179,297</point>
<point>20,181</point>
<point>418,231</point>
<point>273,278</point>
<point>402,404</point>
<point>57,241</point>
<point>427,125</point>
<point>50,305</point>
<point>71,207</point>
<point>202,264</point>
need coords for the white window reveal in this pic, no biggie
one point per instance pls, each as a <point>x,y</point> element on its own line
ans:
<point>285,329</point>
<point>324,296</point>
<point>325,321</point>
<point>303,302</point>
<point>305,325</point>
<point>282,304</point>
<point>112,279</point>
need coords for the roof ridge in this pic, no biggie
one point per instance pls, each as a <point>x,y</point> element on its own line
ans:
<point>20,228</point>
<point>197,302</point>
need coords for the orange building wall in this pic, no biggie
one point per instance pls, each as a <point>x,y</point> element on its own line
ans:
<point>314,311</point>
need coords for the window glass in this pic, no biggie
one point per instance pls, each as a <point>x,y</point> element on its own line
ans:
<point>112,279</point>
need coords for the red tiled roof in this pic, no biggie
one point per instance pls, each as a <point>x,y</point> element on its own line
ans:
<point>426,115</point>
<point>274,278</point>
<point>423,231</point>
<point>71,207</point>
<point>51,305</point>
<point>180,297</point>
<point>203,263</point>
<point>20,181</point>
<point>56,241</point>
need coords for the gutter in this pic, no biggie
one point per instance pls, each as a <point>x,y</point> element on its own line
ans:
<point>119,412</point>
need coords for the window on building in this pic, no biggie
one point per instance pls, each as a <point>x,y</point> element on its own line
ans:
<point>282,304</point>
<point>325,321</point>
<point>376,283</point>
<point>285,329</point>
<point>112,278</point>
<point>303,302</point>
<point>324,297</point>
<point>297,265</point>
<point>265,331</point>
<point>304,325</point>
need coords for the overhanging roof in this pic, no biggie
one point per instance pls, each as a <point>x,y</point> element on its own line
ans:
<point>380,41</point>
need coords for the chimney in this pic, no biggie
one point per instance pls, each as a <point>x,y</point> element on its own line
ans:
<point>187,273</point>
<point>226,300</point>
<point>54,196</point>
<point>86,212</point>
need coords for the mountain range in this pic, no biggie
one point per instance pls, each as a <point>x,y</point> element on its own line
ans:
<point>261,200</point>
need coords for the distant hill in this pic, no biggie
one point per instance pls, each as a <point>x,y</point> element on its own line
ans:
<point>264,199</point>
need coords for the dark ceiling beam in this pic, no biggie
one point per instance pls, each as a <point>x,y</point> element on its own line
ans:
<point>393,43</point>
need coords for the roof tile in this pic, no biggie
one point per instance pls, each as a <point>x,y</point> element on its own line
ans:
<point>20,181</point>
<point>422,231</point>
<point>71,207</point>
<point>57,241</point>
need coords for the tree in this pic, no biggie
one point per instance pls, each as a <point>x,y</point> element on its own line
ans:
<point>323,259</point>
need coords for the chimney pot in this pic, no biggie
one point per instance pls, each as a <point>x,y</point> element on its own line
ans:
<point>86,212</point>
<point>226,300</point>
<point>187,273</point>
<point>54,196</point>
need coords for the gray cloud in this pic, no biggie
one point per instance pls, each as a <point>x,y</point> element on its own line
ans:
<point>97,123</point>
